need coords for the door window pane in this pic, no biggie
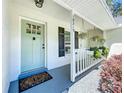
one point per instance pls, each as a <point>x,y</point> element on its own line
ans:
<point>28,28</point>
<point>38,30</point>
<point>33,29</point>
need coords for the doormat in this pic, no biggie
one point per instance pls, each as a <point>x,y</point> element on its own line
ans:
<point>33,80</point>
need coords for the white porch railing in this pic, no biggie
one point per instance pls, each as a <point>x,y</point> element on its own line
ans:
<point>84,61</point>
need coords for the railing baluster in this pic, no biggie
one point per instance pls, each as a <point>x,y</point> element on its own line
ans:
<point>80,60</point>
<point>89,59</point>
<point>83,60</point>
<point>86,57</point>
<point>75,62</point>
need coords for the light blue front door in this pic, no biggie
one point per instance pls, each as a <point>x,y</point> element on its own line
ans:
<point>32,45</point>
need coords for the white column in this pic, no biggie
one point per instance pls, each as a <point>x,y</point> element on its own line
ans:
<point>72,47</point>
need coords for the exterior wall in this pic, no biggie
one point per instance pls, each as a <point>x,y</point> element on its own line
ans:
<point>51,13</point>
<point>5,49</point>
<point>113,36</point>
<point>28,9</point>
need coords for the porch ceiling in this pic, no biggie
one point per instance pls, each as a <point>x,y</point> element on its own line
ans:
<point>93,11</point>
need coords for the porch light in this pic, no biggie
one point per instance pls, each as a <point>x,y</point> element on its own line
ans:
<point>39,3</point>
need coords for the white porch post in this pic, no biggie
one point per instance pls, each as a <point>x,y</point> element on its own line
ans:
<point>72,47</point>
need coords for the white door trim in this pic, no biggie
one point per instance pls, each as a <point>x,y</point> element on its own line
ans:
<point>45,34</point>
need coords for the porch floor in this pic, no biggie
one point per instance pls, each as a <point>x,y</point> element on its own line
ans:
<point>59,83</point>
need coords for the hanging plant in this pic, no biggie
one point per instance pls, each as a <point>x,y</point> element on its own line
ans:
<point>82,35</point>
<point>101,40</point>
<point>98,38</point>
<point>95,38</point>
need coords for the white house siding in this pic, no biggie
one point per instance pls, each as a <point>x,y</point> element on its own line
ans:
<point>113,36</point>
<point>5,49</point>
<point>51,13</point>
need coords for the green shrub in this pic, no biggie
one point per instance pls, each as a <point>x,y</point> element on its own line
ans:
<point>93,48</point>
<point>97,54</point>
<point>102,47</point>
<point>105,52</point>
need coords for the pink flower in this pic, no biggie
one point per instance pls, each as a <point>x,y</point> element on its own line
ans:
<point>111,75</point>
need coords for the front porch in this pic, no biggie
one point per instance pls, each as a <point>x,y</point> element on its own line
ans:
<point>60,82</point>
<point>60,41</point>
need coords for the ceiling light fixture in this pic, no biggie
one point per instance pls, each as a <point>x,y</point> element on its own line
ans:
<point>39,3</point>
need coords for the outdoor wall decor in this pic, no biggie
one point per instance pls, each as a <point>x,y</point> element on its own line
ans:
<point>39,3</point>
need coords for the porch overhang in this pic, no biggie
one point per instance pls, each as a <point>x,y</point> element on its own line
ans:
<point>93,11</point>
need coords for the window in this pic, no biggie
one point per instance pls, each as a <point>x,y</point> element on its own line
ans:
<point>76,40</point>
<point>38,30</point>
<point>64,41</point>
<point>61,41</point>
<point>67,42</point>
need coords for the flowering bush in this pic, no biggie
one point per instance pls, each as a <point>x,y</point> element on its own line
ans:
<point>111,75</point>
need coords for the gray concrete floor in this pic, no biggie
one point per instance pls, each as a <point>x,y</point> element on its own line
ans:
<point>59,83</point>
